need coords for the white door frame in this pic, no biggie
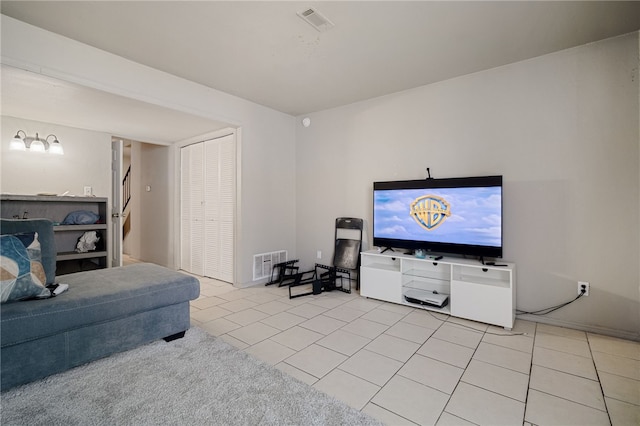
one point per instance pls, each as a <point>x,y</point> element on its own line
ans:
<point>116,202</point>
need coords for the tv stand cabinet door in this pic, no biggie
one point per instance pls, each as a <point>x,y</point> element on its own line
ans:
<point>381,284</point>
<point>484,303</point>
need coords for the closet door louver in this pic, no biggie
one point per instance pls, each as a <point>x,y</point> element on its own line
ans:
<point>212,209</point>
<point>192,211</point>
<point>227,201</point>
<point>185,209</point>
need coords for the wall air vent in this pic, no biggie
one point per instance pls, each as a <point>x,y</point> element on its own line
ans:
<point>316,19</point>
<point>263,263</point>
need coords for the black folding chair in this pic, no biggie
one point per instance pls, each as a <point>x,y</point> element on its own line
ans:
<point>346,256</point>
<point>346,262</point>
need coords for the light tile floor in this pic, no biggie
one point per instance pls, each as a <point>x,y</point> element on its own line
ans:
<point>409,366</point>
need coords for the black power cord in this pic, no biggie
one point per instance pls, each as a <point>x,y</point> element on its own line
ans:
<point>546,311</point>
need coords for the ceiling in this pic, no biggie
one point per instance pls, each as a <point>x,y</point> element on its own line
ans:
<point>262,51</point>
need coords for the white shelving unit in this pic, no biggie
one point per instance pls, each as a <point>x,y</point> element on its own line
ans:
<point>477,292</point>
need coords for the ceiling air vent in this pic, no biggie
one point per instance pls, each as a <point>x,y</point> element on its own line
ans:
<point>316,19</point>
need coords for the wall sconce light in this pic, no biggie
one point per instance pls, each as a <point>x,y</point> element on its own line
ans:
<point>35,144</point>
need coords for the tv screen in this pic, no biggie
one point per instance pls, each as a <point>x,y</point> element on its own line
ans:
<point>456,215</point>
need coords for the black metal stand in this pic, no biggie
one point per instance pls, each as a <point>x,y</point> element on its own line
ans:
<point>331,277</point>
<point>312,278</point>
<point>283,272</point>
<point>321,281</point>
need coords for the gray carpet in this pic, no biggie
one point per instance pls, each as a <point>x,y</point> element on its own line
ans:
<point>197,380</point>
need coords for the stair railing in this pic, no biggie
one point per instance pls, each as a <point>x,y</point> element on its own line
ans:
<point>126,189</point>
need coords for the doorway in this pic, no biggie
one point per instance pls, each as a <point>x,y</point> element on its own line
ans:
<point>141,203</point>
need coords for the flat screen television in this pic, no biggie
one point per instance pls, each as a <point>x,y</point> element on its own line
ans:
<point>460,216</point>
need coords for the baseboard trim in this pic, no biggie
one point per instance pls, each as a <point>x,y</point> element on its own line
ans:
<point>576,326</point>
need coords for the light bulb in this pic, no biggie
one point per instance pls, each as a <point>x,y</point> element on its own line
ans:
<point>55,148</point>
<point>37,146</point>
<point>17,144</point>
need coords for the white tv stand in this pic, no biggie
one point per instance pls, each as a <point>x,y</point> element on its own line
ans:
<point>477,292</point>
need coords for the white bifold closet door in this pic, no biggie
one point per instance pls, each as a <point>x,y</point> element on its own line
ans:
<point>208,208</point>
<point>192,208</point>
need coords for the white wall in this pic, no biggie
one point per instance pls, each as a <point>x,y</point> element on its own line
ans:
<point>81,165</point>
<point>268,136</point>
<point>155,223</point>
<point>563,131</point>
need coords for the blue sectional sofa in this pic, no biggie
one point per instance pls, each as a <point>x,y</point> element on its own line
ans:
<point>103,312</point>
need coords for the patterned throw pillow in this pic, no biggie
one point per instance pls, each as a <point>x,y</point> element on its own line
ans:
<point>32,244</point>
<point>17,282</point>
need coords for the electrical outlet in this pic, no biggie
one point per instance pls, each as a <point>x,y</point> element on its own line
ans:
<point>583,286</point>
<point>319,254</point>
<point>88,191</point>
